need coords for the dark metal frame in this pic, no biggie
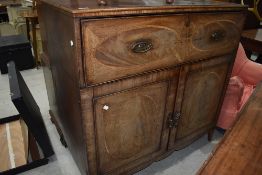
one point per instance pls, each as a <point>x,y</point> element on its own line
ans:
<point>30,113</point>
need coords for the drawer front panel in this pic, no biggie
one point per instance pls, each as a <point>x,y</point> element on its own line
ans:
<point>115,48</point>
<point>214,34</point>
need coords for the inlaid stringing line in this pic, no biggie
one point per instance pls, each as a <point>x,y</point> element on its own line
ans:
<point>10,147</point>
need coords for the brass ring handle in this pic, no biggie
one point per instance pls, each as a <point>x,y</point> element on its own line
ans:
<point>141,46</point>
<point>173,119</point>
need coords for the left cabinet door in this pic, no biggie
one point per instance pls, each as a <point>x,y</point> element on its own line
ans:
<point>131,127</point>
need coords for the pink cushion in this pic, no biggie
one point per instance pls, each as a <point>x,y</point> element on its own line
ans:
<point>231,102</point>
<point>249,71</point>
<point>245,75</point>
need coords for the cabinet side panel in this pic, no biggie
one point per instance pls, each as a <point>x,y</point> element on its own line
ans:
<point>57,31</point>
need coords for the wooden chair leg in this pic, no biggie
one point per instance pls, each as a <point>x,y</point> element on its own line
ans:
<point>28,28</point>
<point>33,22</point>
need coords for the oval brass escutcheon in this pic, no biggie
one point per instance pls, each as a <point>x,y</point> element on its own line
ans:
<point>141,46</point>
<point>217,35</point>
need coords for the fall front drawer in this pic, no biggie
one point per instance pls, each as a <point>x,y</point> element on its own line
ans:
<point>118,47</point>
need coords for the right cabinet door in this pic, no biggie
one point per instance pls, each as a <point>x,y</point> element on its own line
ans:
<point>199,95</point>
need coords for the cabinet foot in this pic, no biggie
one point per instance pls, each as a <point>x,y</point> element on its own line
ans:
<point>54,121</point>
<point>63,142</point>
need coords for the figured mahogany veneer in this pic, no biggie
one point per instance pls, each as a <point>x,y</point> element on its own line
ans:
<point>129,82</point>
<point>170,40</point>
<point>14,145</point>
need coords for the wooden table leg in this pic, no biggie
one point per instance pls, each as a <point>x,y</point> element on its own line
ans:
<point>28,28</point>
<point>35,42</point>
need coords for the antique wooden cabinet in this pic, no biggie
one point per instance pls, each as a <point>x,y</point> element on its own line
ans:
<point>131,81</point>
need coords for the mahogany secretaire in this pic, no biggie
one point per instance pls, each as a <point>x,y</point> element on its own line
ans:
<point>130,81</point>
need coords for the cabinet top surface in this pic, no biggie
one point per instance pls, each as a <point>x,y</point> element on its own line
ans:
<point>124,7</point>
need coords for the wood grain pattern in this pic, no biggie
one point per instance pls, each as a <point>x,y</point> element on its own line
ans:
<point>175,39</point>
<point>24,129</point>
<point>130,103</point>
<point>107,45</point>
<point>87,96</point>
<point>203,84</point>
<point>14,145</point>
<point>131,127</point>
<point>5,162</point>
<point>18,143</point>
<point>139,60</point>
<point>84,8</point>
<point>63,85</point>
<point>138,80</point>
<point>214,34</point>
<point>240,150</point>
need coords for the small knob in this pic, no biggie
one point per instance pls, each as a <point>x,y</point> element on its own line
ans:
<point>71,43</point>
<point>170,1</point>
<point>105,107</point>
<point>102,2</point>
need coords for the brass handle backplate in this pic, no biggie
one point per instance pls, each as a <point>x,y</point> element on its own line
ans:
<point>141,46</point>
<point>217,35</point>
<point>170,121</point>
<point>173,119</point>
<point>176,118</point>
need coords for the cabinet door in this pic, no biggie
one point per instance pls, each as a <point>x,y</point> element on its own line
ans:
<point>131,127</point>
<point>200,91</point>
